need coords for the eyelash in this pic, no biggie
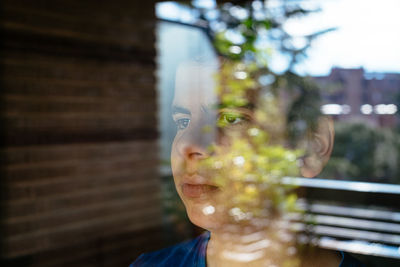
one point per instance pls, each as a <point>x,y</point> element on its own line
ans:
<point>223,120</point>
<point>182,124</point>
<point>236,118</point>
<point>239,119</point>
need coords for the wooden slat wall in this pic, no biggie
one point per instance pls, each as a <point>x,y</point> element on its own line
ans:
<point>79,151</point>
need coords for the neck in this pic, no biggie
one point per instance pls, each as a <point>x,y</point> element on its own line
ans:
<point>236,245</point>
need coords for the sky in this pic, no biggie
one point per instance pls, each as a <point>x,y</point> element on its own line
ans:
<point>367,35</point>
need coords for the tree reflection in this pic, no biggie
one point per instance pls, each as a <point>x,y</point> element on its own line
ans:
<point>265,126</point>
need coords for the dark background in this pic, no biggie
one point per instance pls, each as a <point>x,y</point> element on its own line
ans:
<point>79,155</point>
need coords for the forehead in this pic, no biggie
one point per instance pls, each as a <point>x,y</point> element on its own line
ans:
<point>195,84</point>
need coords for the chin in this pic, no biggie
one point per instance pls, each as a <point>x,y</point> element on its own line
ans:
<point>196,215</point>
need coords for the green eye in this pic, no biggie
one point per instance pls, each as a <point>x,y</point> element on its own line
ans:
<point>182,123</point>
<point>232,118</point>
<point>227,119</point>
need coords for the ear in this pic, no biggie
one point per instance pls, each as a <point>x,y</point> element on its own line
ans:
<point>319,148</point>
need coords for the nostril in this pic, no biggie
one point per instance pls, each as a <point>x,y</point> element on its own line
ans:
<point>194,153</point>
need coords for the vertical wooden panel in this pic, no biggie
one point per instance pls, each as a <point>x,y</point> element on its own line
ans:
<point>79,148</point>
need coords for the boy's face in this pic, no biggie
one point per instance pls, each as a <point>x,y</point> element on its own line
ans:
<point>241,176</point>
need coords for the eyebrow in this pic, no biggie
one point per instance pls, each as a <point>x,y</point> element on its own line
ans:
<point>181,110</point>
<point>177,109</point>
<point>249,106</point>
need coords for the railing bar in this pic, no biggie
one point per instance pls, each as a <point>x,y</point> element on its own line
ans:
<point>355,234</point>
<point>343,185</point>
<point>353,223</point>
<point>353,212</point>
<point>331,231</point>
<point>360,247</point>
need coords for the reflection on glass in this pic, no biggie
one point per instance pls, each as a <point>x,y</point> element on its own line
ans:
<point>243,128</point>
<point>231,151</point>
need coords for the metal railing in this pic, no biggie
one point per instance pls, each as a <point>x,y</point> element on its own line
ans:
<point>357,217</point>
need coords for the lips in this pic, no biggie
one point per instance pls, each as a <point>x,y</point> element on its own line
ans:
<point>196,186</point>
<point>198,190</point>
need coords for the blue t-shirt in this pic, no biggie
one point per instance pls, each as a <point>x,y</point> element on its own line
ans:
<point>193,254</point>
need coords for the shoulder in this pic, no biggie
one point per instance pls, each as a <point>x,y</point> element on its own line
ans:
<point>349,261</point>
<point>314,257</point>
<point>188,253</point>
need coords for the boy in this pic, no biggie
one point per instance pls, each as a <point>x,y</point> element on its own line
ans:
<point>230,150</point>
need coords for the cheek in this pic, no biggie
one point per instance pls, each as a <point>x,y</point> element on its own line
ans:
<point>174,155</point>
<point>176,148</point>
<point>176,162</point>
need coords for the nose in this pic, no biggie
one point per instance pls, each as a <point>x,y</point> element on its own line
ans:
<point>192,155</point>
<point>194,152</point>
<point>193,144</point>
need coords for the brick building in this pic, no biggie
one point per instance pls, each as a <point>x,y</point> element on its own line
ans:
<point>372,98</point>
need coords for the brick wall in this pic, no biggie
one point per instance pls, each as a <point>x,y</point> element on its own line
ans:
<point>78,111</point>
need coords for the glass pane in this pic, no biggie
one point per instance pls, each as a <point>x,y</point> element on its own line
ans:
<point>279,125</point>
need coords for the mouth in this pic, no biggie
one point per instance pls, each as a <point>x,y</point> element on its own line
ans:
<point>197,186</point>
<point>198,190</point>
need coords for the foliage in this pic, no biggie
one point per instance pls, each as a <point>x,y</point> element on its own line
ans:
<point>264,116</point>
<point>364,153</point>
<point>251,170</point>
<point>285,105</point>
<point>248,34</point>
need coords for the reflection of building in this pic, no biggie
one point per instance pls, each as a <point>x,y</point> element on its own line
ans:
<point>353,94</point>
